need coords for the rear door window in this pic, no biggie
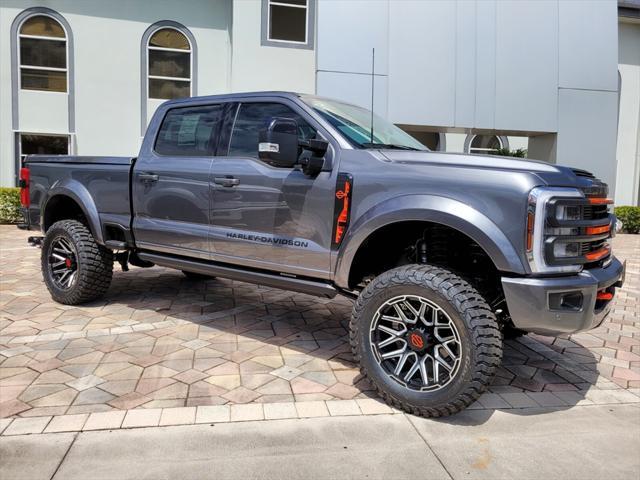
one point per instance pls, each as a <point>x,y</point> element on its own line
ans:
<point>190,131</point>
<point>253,117</point>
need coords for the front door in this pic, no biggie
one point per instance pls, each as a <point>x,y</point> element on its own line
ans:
<point>269,217</point>
<point>171,194</point>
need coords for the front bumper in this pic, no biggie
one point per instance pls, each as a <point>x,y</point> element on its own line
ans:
<point>568,304</point>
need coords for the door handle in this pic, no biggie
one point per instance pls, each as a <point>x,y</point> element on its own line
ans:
<point>226,181</point>
<point>148,177</point>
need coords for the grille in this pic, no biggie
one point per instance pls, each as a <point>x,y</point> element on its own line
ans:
<point>582,173</point>
<point>595,212</point>
<point>591,231</point>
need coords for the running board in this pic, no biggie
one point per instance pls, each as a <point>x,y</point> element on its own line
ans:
<point>310,287</point>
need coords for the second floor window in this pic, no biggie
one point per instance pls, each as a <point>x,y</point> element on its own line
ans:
<point>43,55</point>
<point>169,56</point>
<point>287,20</point>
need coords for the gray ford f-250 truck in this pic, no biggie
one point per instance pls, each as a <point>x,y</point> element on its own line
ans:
<point>444,253</point>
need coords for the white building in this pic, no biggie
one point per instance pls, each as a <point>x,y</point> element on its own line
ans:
<point>84,77</point>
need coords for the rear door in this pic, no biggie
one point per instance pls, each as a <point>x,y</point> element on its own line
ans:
<point>269,217</point>
<point>170,182</point>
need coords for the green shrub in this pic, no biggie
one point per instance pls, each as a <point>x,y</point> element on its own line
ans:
<point>630,218</point>
<point>10,205</point>
<point>505,152</point>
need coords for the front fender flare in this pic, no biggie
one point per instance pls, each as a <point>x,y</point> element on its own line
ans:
<point>77,192</point>
<point>429,208</point>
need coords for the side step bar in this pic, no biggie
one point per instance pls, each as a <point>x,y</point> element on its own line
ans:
<point>319,289</point>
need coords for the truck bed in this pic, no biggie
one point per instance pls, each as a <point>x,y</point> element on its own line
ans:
<point>33,159</point>
<point>102,182</point>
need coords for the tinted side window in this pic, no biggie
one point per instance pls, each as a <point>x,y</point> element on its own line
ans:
<point>254,117</point>
<point>190,131</point>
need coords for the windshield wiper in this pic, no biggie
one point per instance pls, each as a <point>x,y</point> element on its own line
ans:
<point>389,146</point>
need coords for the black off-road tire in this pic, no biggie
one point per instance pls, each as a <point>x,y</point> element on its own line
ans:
<point>196,276</point>
<point>480,338</point>
<point>94,264</point>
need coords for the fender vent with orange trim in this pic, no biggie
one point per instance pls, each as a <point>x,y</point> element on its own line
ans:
<point>341,208</point>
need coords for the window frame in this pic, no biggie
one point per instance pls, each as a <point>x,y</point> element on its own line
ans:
<point>21,155</point>
<point>166,49</point>
<point>504,143</point>
<point>310,15</point>
<point>20,66</point>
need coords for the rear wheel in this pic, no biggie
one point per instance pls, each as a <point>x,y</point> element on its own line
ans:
<point>426,340</point>
<point>75,268</point>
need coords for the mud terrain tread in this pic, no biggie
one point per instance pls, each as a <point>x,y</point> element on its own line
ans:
<point>482,325</point>
<point>97,261</point>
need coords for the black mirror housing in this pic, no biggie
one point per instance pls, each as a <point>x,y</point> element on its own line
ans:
<point>278,143</point>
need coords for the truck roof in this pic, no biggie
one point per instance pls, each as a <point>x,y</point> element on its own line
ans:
<point>234,96</point>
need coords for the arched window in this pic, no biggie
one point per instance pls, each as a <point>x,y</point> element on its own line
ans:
<point>43,54</point>
<point>486,144</point>
<point>169,57</point>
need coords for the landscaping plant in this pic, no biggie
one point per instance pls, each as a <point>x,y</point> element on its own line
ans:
<point>10,205</point>
<point>630,218</point>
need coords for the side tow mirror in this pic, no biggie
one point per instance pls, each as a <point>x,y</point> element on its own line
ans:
<point>312,159</point>
<point>278,143</point>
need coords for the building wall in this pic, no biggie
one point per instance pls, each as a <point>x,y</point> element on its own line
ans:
<point>545,69</point>
<point>256,67</point>
<point>107,63</point>
<point>542,71</point>
<point>628,152</point>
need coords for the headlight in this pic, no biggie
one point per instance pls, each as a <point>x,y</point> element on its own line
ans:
<point>566,230</point>
<point>566,250</point>
<point>537,237</point>
<point>568,212</point>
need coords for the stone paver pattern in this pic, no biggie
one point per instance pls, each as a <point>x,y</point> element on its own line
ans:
<point>160,341</point>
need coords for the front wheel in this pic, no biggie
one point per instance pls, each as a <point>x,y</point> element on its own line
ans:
<point>75,268</point>
<point>426,340</point>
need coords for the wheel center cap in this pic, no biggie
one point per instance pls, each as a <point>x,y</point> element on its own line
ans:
<point>68,263</point>
<point>417,340</point>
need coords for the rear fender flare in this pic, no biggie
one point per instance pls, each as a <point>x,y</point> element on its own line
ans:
<point>77,192</point>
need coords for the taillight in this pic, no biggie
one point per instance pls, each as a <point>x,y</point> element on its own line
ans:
<point>25,199</point>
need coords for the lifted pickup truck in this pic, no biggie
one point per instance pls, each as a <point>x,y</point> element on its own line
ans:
<point>444,254</point>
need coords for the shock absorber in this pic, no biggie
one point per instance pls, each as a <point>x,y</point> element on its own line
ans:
<point>422,251</point>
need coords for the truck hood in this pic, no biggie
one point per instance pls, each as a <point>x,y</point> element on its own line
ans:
<point>547,173</point>
<point>466,160</point>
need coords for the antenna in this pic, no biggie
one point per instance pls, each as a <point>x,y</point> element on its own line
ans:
<point>373,73</point>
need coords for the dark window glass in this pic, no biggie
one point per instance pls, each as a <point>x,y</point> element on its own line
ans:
<point>254,117</point>
<point>42,26</point>
<point>287,23</point>
<point>43,53</point>
<point>43,145</point>
<point>169,38</point>
<point>485,144</point>
<point>163,63</point>
<point>52,81</point>
<point>168,89</point>
<point>189,132</point>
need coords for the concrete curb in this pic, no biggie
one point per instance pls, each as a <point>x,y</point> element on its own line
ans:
<point>158,417</point>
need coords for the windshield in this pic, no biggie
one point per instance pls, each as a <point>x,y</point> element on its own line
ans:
<point>355,124</point>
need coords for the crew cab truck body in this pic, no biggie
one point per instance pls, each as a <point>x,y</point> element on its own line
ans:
<point>444,254</point>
